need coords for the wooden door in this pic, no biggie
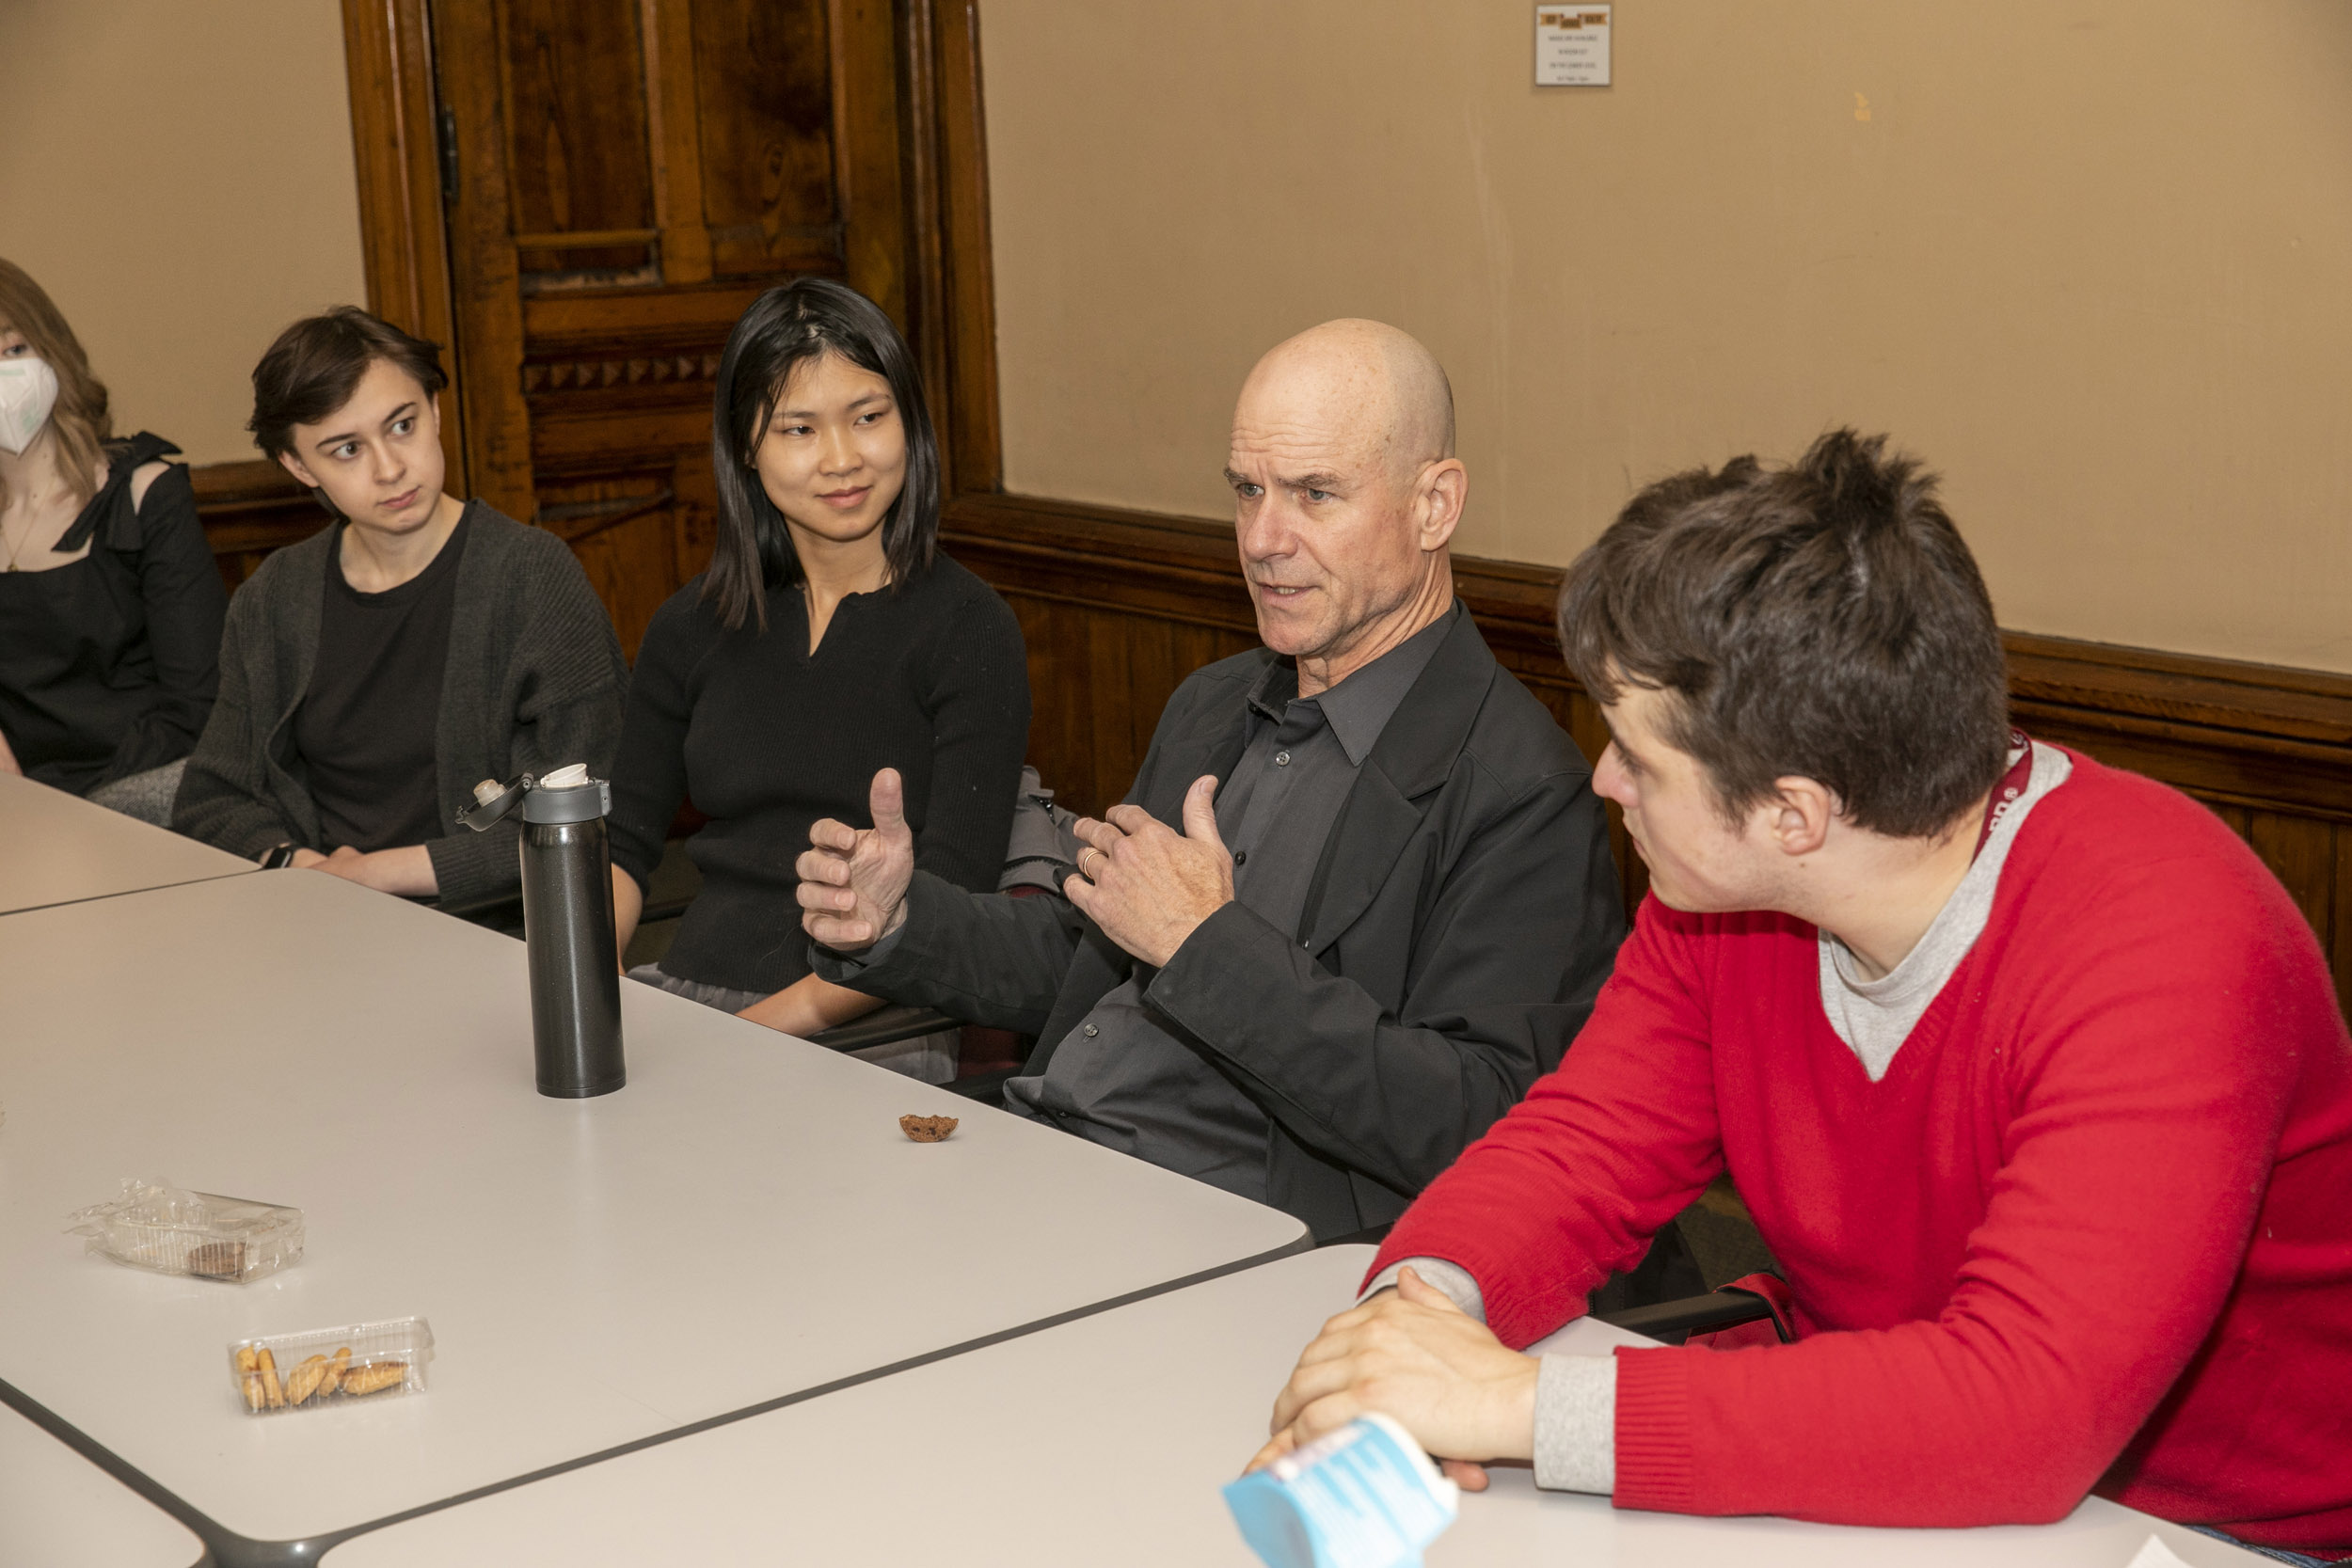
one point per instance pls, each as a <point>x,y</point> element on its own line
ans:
<point>621,178</point>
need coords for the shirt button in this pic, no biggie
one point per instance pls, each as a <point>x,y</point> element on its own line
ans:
<point>1091,1031</point>
<point>1282,759</point>
<point>1240,857</point>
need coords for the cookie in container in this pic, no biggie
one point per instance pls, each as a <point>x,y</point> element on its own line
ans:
<point>168,1229</point>
<point>357,1364</point>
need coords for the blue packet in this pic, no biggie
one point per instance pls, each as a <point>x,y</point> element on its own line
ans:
<point>1363,1497</point>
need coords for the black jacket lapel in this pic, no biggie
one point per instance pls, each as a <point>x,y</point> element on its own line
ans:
<point>1209,739</point>
<point>1414,754</point>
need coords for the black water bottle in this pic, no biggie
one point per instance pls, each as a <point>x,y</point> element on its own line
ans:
<point>567,925</point>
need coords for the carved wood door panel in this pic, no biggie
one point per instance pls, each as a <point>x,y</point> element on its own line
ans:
<point>623,178</point>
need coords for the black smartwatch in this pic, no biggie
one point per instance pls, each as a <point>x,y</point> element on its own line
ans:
<point>279,859</point>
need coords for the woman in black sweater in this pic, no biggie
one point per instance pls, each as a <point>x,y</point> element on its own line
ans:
<point>828,641</point>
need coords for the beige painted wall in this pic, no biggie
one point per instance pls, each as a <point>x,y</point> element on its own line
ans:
<point>179,177</point>
<point>2092,258</point>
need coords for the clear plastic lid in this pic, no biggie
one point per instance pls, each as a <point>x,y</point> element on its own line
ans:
<point>359,1363</point>
<point>168,1230</point>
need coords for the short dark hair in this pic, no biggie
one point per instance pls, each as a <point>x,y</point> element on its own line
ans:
<point>1823,620</point>
<point>317,364</point>
<point>786,327</point>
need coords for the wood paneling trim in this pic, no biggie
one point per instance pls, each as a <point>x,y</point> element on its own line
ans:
<point>2299,720</point>
<point>485,266</point>
<point>963,223</point>
<point>673,130</point>
<point>953,310</point>
<point>871,174</point>
<point>395,142</point>
<point>250,509</point>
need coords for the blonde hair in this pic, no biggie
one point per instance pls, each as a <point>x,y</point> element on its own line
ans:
<point>81,420</point>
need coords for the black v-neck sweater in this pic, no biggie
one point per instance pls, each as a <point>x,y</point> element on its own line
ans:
<point>766,739</point>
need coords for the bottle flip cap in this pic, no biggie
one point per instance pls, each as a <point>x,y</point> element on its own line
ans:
<point>565,794</point>
<point>1363,1497</point>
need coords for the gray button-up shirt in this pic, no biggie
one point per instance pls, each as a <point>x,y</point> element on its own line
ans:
<point>1128,1076</point>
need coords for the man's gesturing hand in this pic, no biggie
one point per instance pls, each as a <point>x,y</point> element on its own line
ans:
<point>853,881</point>
<point>1413,1356</point>
<point>1147,888</point>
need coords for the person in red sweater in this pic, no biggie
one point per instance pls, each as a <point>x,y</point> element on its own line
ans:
<point>2031,1075</point>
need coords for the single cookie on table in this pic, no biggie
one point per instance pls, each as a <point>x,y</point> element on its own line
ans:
<point>927,1129</point>
<point>269,1365</point>
<point>335,1369</point>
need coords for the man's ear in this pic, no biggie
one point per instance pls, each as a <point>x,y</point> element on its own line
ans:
<point>1444,491</point>
<point>1802,810</point>
<point>302,475</point>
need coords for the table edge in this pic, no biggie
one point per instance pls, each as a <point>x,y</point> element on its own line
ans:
<point>130,891</point>
<point>226,1548</point>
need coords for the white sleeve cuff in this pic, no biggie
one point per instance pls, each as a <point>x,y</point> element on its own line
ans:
<point>1575,1424</point>
<point>1452,1279</point>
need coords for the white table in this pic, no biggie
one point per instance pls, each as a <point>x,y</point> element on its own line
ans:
<point>741,1223</point>
<point>1104,1441</point>
<point>58,848</point>
<point>57,1507</point>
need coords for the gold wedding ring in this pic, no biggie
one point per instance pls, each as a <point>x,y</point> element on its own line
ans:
<point>1089,849</point>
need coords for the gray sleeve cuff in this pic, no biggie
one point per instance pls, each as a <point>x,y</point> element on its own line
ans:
<point>1453,1279</point>
<point>1575,1424</point>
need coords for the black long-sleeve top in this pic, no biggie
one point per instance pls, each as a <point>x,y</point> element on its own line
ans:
<point>766,739</point>
<point>108,665</point>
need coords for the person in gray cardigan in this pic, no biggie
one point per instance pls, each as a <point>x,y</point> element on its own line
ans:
<point>373,674</point>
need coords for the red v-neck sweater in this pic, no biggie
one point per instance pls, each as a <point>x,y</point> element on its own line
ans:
<point>2092,1230</point>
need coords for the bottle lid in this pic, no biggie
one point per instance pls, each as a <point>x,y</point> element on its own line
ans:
<point>568,794</point>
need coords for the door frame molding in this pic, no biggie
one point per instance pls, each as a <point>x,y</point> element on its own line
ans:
<point>397,157</point>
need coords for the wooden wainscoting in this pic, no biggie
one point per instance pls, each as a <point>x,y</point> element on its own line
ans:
<point>250,509</point>
<point>1119,607</point>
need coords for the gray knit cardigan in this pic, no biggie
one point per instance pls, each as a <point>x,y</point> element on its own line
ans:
<point>534,680</point>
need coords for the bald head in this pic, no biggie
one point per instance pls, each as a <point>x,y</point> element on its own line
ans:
<point>1345,494</point>
<point>1364,380</point>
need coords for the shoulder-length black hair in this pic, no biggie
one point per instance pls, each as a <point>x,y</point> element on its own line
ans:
<point>784,328</point>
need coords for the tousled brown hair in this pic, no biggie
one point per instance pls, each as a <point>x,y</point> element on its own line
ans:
<point>80,419</point>
<point>1823,620</point>
<point>317,363</point>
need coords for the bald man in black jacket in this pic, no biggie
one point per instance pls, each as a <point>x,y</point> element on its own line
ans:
<point>1360,895</point>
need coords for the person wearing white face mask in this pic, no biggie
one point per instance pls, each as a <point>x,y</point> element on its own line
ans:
<point>110,603</point>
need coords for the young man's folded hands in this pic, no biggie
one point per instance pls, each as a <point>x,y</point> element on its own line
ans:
<point>1413,1356</point>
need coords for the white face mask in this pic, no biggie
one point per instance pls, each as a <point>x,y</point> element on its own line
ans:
<point>29,390</point>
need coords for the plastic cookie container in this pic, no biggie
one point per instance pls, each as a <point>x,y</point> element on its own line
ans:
<point>168,1229</point>
<point>357,1364</point>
